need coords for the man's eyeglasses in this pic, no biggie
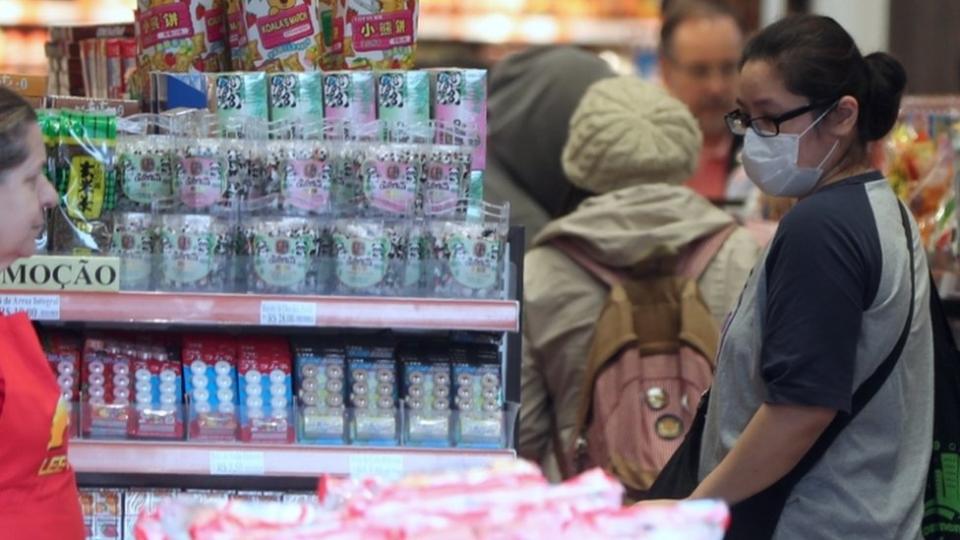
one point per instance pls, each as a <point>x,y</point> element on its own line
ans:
<point>767,126</point>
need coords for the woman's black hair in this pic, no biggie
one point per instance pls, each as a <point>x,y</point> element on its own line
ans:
<point>16,114</point>
<point>819,60</point>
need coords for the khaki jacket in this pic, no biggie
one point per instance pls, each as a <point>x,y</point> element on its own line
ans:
<point>561,301</point>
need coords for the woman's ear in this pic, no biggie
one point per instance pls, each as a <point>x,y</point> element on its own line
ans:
<point>843,120</point>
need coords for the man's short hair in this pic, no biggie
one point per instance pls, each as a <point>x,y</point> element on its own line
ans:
<point>676,12</point>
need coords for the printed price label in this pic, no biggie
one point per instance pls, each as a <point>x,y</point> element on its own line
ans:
<point>44,307</point>
<point>274,313</point>
<point>376,465</point>
<point>237,463</point>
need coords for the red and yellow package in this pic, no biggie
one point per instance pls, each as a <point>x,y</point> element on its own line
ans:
<point>182,35</point>
<point>379,34</point>
<point>284,35</point>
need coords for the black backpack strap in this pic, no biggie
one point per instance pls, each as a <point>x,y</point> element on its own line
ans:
<point>756,517</point>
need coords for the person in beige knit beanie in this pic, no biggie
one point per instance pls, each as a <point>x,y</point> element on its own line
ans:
<point>633,146</point>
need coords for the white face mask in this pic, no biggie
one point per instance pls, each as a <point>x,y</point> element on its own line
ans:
<point>771,163</point>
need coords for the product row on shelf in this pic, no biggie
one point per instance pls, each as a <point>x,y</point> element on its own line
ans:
<point>367,391</point>
<point>112,513</point>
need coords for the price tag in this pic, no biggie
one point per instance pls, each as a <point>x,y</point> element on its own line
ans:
<point>237,463</point>
<point>377,465</point>
<point>274,313</point>
<point>39,307</point>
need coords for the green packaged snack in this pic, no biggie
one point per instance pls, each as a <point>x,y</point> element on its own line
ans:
<point>145,166</point>
<point>239,97</point>
<point>403,103</point>
<point>49,120</point>
<point>296,96</point>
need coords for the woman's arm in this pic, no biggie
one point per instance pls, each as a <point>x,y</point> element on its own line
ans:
<point>775,440</point>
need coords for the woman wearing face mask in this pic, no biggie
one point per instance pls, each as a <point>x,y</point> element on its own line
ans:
<point>829,302</point>
<point>38,491</point>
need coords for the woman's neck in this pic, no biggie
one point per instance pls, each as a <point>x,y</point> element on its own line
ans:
<point>843,169</point>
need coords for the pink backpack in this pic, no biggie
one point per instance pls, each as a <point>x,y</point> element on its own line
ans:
<point>650,360</point>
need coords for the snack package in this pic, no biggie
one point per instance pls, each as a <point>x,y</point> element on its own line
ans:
<point>137,501</point>
<point>478,397</point>
<point>320,373</point>
<point>49,120</point>
<point>266,391</point>
<point>145,167</point>
<point>391,180</point>
<point>237,36</point>
<point>197,253</point>
<point>347,184</point>
<point>403,103</point>
<point>86,182</point>
<point>201,174</point>
<point>108,386</point>
<point>296,99</point>
<point>466,259</point>
<point>63,353</point>
<point>134,242</point>
<point>282,255</point>
<point>349,103</point>
<point>102,513</point>
<point>182,35</point>
<point>372,375</point>
<point>158,393</point>
<point>415,273</point>
<point>210,366</point>
<point>240,101</point>
<point>369,257</point>
<point>426,397</point>
<point>445,180</point>
<point>284,35</point>
<point>303,172</point>
<point>460,110</point>
<point>380,34</point>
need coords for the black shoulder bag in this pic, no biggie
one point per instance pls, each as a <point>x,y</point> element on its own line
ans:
<point>756,518</point>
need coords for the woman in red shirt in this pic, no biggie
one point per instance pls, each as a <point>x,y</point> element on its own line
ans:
<point>38,489</point>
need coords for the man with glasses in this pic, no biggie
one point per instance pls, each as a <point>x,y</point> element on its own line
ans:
<point>700,46</point>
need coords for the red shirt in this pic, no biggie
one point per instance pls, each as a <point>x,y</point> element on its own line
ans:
<point>38,489</point>
<point>710,178</point>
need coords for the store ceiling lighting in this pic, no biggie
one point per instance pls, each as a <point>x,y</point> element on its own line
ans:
<point>489,28</point>
<point>539,29</point>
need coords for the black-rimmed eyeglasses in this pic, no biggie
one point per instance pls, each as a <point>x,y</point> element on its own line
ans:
<point>767,126</point>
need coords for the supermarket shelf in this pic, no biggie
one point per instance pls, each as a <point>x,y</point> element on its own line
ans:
<point>185,458</point>
<point>539,29</point>
<point>273,310</point>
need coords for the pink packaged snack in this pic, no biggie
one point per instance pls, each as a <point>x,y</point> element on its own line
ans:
<point>181,35</point>
<point>350,105</point>
<point>283,35</point>
<point>460,110</point>
<point>210,369</point>
<point>158,394</point>
<point>107,384</point>
<point>380,34</point>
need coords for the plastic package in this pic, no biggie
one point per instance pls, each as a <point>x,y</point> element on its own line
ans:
<point>158,395</point>
<point>181,35</point>
<point>145,166</point>
<point>467,257</point>
<point>134,241</point>
<point>284,35</point>
<point>460,110</point>
<point>266,391</point>
<point>282,255</point>
<point>370,257</point>
<point>210,378</point>
<point>427,398</point>
<point>321,379</point>
<point>373,391</point>
<point>197,253</point>
<point>391,180</point>
<point>108,386</point>
<point>380,35</point>
<point>478,391</point>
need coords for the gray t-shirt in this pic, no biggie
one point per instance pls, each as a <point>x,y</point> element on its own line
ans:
<point>820,312</point>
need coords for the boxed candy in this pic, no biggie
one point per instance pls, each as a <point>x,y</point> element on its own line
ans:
<point>403,104</point>
<point>372,375</point>
<point>460,110</point>
<point>210,366</point>
<point>266,391</point>
<point>102,513</point>
<point>320,376</point>
<point>63,353</point>
<point>478,397</point>
<point>108,384</point>
<point>296,97</point>
<point>158,394</point>
<point>427,396</point>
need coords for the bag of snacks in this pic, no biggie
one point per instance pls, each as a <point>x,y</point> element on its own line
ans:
<point>284,35</point>
<point>181,35</point>
<point>380,34</point>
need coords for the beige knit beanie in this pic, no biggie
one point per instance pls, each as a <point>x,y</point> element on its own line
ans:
<point>627,132</point>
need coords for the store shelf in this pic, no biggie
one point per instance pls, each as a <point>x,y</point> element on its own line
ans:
<point>539,29</point>
<point>262,310</point>
<point>185,458</point>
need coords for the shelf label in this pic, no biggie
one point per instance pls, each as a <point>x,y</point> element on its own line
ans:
<point>278,313</point>
<point>237,463</point>
<point>61,273</point>
<point>39,307</point>
<point>378,465</point>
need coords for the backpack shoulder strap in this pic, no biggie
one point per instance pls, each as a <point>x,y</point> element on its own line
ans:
<point>698,255</point>
<point>569,247</point>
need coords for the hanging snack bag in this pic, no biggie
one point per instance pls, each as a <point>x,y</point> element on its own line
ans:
<point>246,178</point>
<point>445,179</point>
<point>349,103</point>
<point>296,101</point>
<point>134,243</point>
<point>369,257</point>
<point>303,173</point>
<point>467,259</point>
<point>86,182</point>
<point>391,180</point>
<point>282,255</point>
<point>182,35</point>
<point>380,34</point>
<point>460,110</point>
<point>197,253</point>
<point>200,180</point>
<point>237,36</point>
<point>283,35</point>
<point>145,166</point>
<point>403,104</point>
<point>49,120</point>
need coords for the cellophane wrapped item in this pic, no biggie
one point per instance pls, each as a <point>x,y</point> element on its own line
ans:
<point>509,501</point>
